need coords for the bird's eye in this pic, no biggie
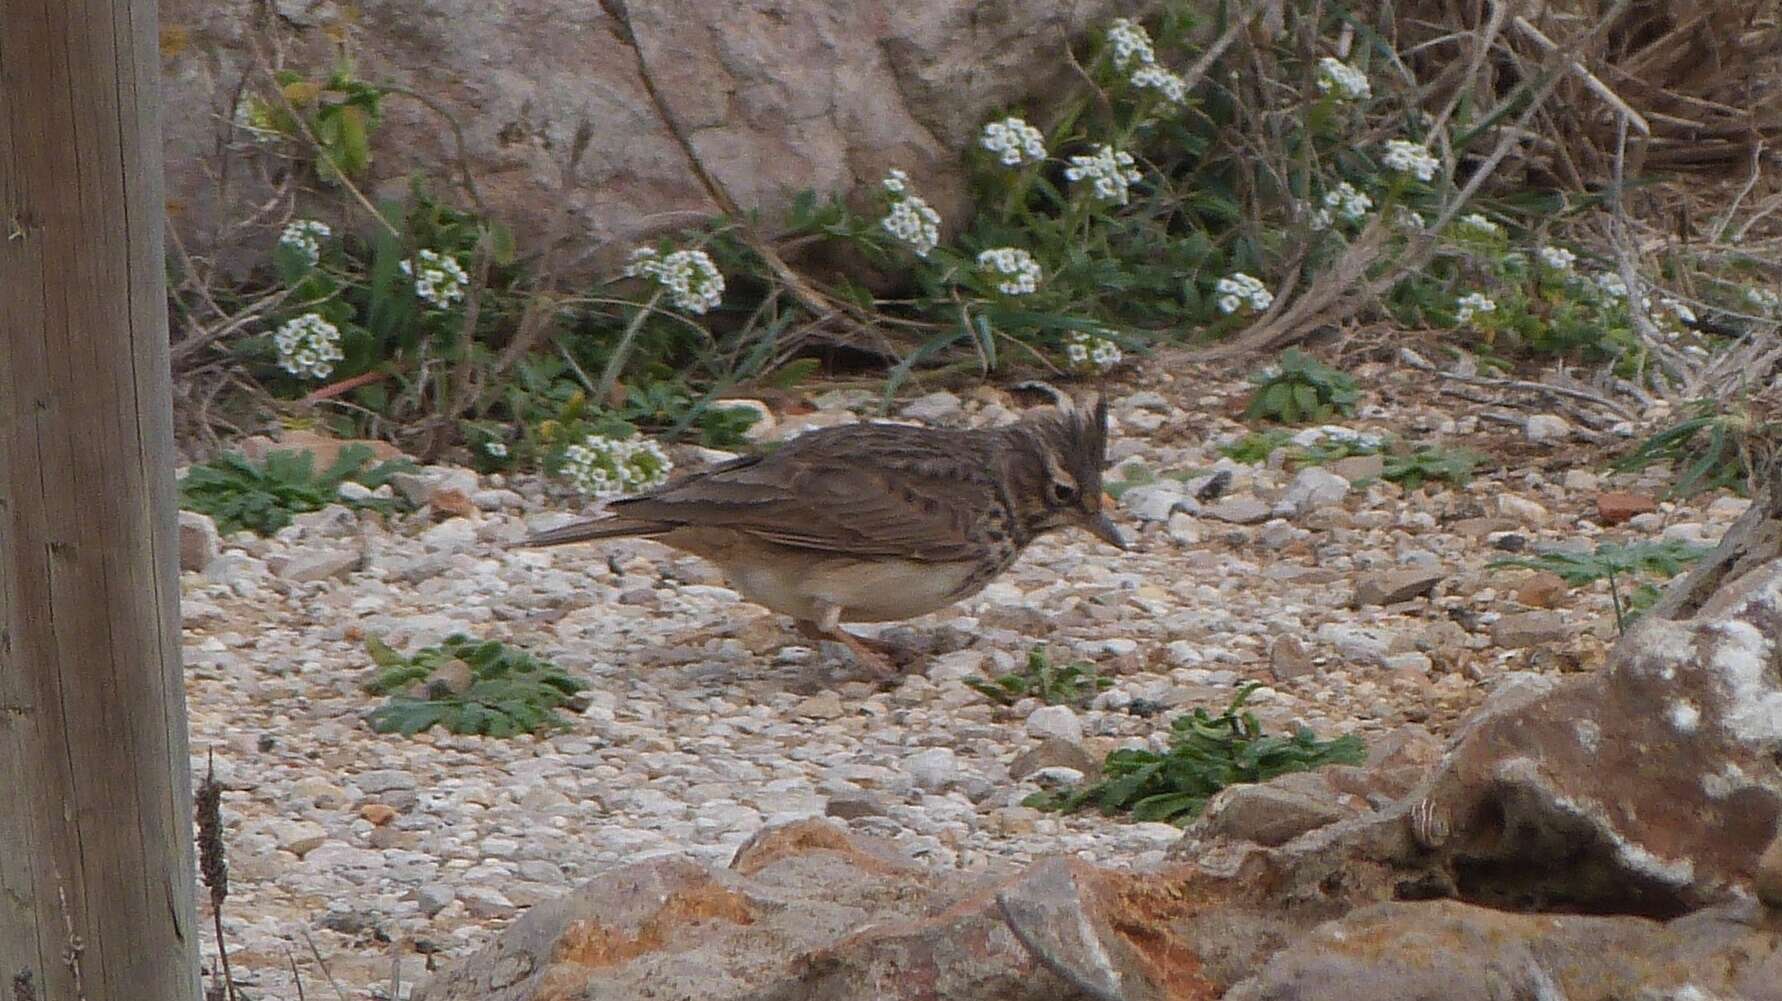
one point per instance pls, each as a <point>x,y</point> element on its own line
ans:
<point>1063,493</point>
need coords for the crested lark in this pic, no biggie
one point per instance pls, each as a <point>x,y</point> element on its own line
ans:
<point>876,522</point>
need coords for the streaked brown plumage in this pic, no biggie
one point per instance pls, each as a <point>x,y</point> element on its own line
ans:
<point>876,522</point>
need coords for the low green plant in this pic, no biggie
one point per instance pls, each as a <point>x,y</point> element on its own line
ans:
<point>1255,447</point>
<point>1428,464</point>
<point>1206,754</point>
<point>1707,449</point>
<point>1300,388</point>
<point>1614,562</point>
<point>336,111</point>
<point>239,494</point>
<point>1069,684</point>
<point>509,691</point>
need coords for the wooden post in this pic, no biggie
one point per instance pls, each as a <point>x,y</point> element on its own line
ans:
<point>96,871</point>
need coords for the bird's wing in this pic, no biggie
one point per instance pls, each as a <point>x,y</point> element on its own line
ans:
<point>895,497</point>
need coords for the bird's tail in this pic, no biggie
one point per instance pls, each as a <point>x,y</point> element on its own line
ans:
<point>597,528</point>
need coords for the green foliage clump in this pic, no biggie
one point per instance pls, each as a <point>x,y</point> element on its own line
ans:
<point>1614,562</point>
<point>262,498</point>
<point>1429,464</point>
<point>1300,388</point>
<point>1070,684</point>
<point>334,114</point>
<point>510,692</point>
<point>1708,448</point>
<point>1206,754</point>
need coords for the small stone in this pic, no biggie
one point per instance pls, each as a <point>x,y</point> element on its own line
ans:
<point>385,780</point>
<point>1053,752</point>
<point>1542,590</point>
<point>1694,533</point>
<point>956,666</point>
<point>1368,644</point>
<point>1183,529</point>
<point>319,792</point>
<point>1240,511</point>
<point>1266,814</point>
<point>199,541</point>
<point>378,813</point>
<point>454,677</point>
<point>449,503</point>
<point>306,565</point>
<point>1547,428</point>
<point>1728,508</point>
<point>853,804</point>
<point>434,897</point>
<point>823,705</point>
<point>1580,480</point>
<point>1312,488</point>
<point>932,407</point>
<point>1529,629</point>
<point>299,837</point>
<point>486,902</point>
<point>420,487</point>
<point>1412,662</point>
<point>453,534</point>
<point>1618,507</point>
<point>1523,510</point>
<point>1390,587</point>
<point>1056,777</point>
<point>933,768</point>
<point>1356,468</point>
<point>1060,722</point>
<point>1289,659</point>
<point>1154,501</point>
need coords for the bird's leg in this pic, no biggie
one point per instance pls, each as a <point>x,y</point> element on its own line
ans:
<point>829,628</point>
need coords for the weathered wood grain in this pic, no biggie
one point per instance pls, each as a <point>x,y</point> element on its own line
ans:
<point>96,873</point>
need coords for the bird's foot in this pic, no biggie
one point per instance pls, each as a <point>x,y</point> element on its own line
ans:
<point>874,655</point>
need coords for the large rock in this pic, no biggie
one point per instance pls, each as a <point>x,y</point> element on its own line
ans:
<point>771,98</point>
<point>1450,950</point>
<point>804,911</point>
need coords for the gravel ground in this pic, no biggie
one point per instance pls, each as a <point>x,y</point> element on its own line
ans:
<point>708,720</point>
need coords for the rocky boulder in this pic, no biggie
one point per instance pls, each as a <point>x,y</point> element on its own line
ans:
<point>591,125</point>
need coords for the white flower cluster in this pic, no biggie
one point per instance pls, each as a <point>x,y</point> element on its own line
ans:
<point>1087,352</point>
<point>1336,434</point>
<point>1014,142</point>
<point>1479,224</point>
<point>1561,259</point>
<point>606,467</point>
<point>1404,218</point>
<point>692,279</point>
<point>308,346</point>
<point>1343,202</point>
<point>910,219</point>
<point>1019,272</point>
<point>495,449</point>
<point>1154,77</point>
<point>1345,81</point>
<point>305,236</point>
<point>1131,43</point>
<point>439,281</point>
<point>1110,171</point>
<point>1472,304</point>
<point>1410,158</point>
<point>1611,285</point>
<point>1765,300</point>
<point>1238,288</point>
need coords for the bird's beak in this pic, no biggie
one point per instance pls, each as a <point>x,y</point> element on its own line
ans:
<point>1103,528</point>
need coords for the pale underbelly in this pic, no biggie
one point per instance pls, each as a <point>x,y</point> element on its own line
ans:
<point>877,591</point>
